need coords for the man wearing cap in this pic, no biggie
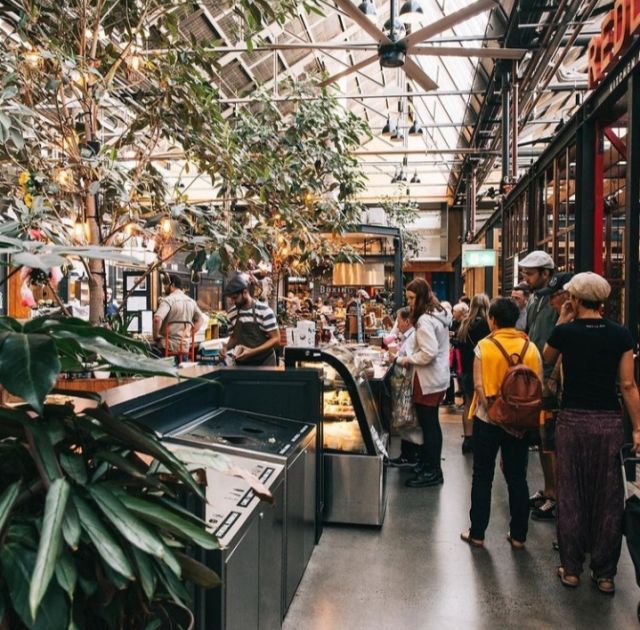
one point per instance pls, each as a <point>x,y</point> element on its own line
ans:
<point>171,321</point>
<point>253,328</point>
<point>520,295</point>
<point>537,271</point>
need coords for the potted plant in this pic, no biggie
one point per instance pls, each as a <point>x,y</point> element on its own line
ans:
<point>92,533</point>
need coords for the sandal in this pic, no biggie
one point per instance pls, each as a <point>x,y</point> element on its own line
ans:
<point>516,544</point>
<point>474,542</point>
<point>537,499</point>
<point>605,585</point>
<point>568,580</point>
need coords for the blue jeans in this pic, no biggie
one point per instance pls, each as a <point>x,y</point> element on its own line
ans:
<point>488,439</point>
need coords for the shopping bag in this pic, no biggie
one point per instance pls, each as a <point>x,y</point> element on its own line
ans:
<point>403,415</point>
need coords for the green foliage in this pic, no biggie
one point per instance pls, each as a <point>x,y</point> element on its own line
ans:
<point>91,533</point>
<point>401,212</point>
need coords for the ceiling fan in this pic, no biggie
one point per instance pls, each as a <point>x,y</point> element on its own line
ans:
<point>394,49</point>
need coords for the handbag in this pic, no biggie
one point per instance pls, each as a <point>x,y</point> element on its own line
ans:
<point>403,414</point>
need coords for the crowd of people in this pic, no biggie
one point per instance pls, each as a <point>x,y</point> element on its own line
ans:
<point>548,343</point>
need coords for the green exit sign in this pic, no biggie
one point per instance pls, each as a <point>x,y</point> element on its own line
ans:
<point>479,258</point>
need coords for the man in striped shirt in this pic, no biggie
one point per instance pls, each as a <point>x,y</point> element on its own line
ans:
<point>253,328</point>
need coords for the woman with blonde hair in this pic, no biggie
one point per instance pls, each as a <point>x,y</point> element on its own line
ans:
<point>473,328</point>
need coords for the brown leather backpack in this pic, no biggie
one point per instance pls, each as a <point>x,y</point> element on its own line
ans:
<point>518,402</point>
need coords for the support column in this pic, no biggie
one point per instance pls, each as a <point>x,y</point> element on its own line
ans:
<point>515,116</point>
<point>632,206</point>
<point>398,289</point>
<point>585,196</point>
<point>598,201</point>
<point>506,124</point>
<point>488,271</point>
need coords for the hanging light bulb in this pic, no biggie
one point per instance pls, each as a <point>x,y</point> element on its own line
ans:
<point>79,229</point>
<point>64,177</point>
<point>165,226</point>
<point>33,58</point>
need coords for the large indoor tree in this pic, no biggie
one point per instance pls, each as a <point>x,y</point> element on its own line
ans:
<point>93,92</point>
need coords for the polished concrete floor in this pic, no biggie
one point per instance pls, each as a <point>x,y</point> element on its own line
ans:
<point>415,572</point>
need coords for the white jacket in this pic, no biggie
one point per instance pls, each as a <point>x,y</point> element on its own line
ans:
<point>430,352</point>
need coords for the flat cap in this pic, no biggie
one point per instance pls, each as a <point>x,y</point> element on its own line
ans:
<point>235,284</point>
<point>557,283</point>
<point>537,258</point>
<point>588,286</point>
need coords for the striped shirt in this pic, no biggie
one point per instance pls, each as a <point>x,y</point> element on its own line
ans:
<point>265,317</point>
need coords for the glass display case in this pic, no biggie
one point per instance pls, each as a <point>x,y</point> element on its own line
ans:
<point>354,440</point>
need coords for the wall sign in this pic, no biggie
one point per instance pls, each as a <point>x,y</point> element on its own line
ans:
<point>479,258</point>
<point>616,34</point>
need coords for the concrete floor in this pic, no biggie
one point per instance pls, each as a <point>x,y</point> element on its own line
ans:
<point>416,573</point>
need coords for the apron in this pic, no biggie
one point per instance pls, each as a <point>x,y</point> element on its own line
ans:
<point>249,334</point>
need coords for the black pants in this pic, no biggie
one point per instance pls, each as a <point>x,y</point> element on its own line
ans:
<point>488,439</point>
<point>409,450</point>
<point>432,445</point>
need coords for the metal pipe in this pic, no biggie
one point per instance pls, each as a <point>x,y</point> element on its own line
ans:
<point>506,123</point>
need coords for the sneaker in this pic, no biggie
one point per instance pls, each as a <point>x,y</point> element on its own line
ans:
<point>546,512</point>
<point>402,463</point>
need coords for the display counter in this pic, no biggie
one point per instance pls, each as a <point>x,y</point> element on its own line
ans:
<point>354,441</point>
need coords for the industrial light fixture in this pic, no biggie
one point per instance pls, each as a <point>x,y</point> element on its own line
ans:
<point>415,179</point>
<point>416,128</point>
<point>394,31</point>
<point>403,176</point>
<point>412,12</point>
<point>397,135</point>
<point>368,7</point>
<point>389,128</point>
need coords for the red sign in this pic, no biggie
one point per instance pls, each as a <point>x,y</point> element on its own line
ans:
<point>617,30</point>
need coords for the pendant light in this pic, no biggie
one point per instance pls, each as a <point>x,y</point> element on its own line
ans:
<point>412,12</point>
<point>389,128</point>
<point>368,8</point>
<point>415,179</point>
<point>416,128</point>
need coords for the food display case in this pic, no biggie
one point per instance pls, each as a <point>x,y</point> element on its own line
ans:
<point>354,441</point>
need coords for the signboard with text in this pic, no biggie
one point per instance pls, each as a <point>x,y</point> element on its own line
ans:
<point>479,258</point>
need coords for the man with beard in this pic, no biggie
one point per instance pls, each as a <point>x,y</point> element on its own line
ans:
<point>253,328</point>
<point>537,271</point>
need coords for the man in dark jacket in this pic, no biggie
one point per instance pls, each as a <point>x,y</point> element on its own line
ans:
<point>537,271</point>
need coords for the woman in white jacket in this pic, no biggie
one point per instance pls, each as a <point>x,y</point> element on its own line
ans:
<point>430,360</point>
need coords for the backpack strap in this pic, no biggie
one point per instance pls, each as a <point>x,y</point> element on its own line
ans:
<point>506,355</point>
<point>501,348</point>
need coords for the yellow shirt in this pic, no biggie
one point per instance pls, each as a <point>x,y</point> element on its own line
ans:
<point>494,365</point>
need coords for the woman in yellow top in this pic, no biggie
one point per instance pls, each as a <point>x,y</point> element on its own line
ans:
<point>489,370</point>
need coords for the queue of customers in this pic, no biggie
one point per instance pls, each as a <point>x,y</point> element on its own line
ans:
<point>549,330</point>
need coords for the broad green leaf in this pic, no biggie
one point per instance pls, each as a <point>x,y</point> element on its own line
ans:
<point>29,366</point>
<point>137,438</point>
<point>118,357</point>
<point>45,452</point>
<point>131,528</point>
<point>102,539</point>
<point>130,468</point>
<point>73,464</point>
<point>172,583</point>
<point>196,572</point>
<point>50,539</point>
<point>175,523</point>
<point>17,567</point>
<point>146,572</point>
<point>7,499</point>
<point>71,526</point>
<point>67,573</point>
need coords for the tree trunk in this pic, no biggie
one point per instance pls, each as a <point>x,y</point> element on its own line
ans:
<point>96,269</point>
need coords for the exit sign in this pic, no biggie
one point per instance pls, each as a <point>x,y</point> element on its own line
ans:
<point>479,258</point>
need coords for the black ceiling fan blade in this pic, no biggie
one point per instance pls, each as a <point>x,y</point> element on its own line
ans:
<point>447,22</point>
<point>417,74</point>
<point>362,20</point>
<point>351,70</point>
<point>458,51</point>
